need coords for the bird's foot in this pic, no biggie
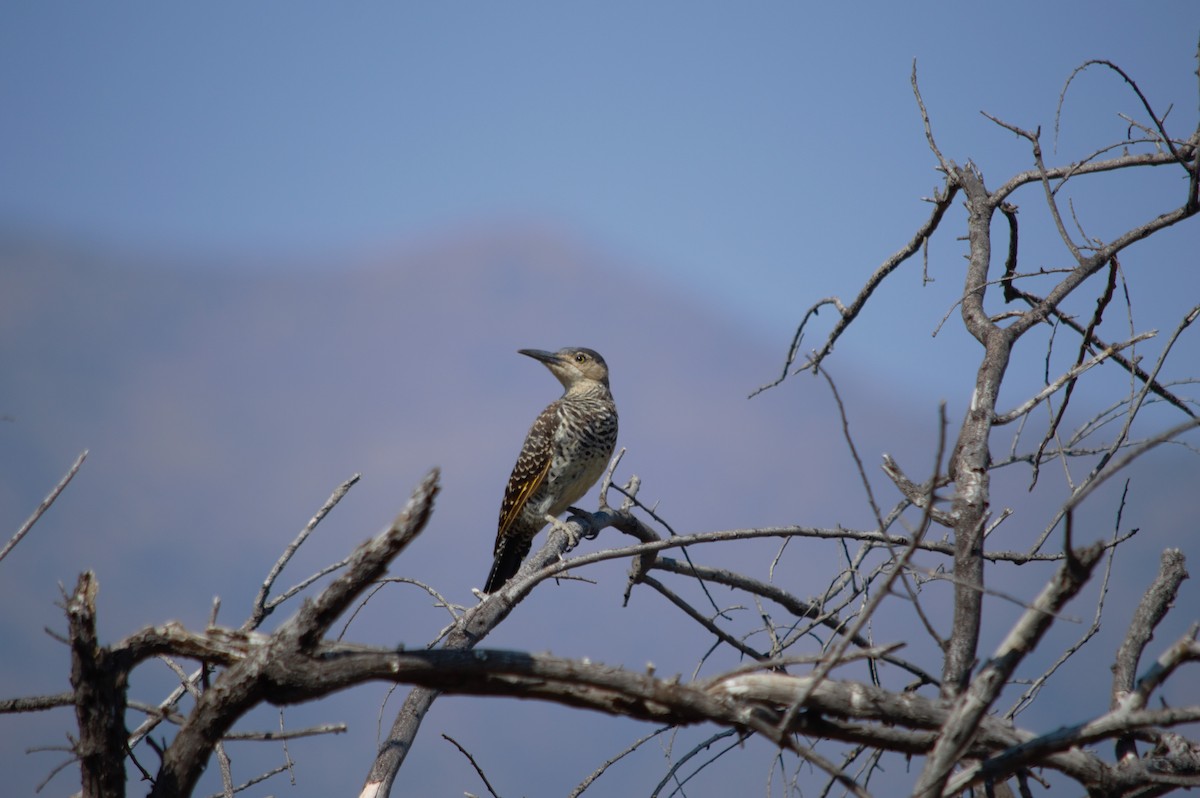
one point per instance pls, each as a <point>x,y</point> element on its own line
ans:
<point>567,529</point>
<point>593,530</point>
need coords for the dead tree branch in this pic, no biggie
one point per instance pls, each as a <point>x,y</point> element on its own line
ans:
<point>45,505</point>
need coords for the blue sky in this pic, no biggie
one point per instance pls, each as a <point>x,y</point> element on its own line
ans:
<point>757,156</point>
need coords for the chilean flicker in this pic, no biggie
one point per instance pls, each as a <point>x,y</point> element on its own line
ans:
<point>565,452</point>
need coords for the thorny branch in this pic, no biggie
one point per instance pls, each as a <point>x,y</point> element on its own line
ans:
<point>971,461</point>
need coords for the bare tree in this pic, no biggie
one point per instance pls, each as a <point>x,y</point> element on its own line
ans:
<point>933,699</point>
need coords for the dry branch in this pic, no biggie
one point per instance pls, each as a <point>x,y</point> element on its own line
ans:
<point>971,706</point>
<point>45,505</point>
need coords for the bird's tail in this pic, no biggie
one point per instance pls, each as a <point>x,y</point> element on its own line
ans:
<point>510,550</point>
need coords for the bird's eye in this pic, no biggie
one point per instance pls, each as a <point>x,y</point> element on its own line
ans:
<point>581,358</point>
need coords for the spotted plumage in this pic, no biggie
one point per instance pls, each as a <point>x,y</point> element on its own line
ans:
<point>565,452</point>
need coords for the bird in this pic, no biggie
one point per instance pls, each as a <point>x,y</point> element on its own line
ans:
<point>565,452</point>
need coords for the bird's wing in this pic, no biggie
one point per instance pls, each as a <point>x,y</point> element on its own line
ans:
<point>530,471</point>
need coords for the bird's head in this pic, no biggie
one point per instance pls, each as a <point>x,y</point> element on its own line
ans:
<point>573,366</point>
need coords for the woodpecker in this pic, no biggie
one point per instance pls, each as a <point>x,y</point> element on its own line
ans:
<point>565,452</point>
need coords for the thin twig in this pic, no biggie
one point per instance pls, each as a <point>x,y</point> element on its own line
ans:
<point>259,779</point>
<point>261,608</point>
<point>850,313</point>
<point>474,764</point>
<point>629,749</point>
<point>1032,691</point>
<point>45,505</point>
<point>1067,377</point>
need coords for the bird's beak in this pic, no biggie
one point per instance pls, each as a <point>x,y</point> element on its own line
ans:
<point>548,358</point>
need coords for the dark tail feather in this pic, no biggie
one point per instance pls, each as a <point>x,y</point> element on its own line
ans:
<point>509,553</point>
